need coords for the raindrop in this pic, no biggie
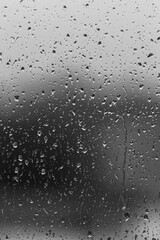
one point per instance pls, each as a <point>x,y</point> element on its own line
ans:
<point>127,215</point>
<point>146,211</point>
<point>89,235</point>
<point>16,98</point>
<point>78,165</point>
<point>39,133</point>
<point>15,144</point>
<point>156,158</point>
<point>118,97</point>
<point>43,171</point>
<point>36,214</point>
<point>141,86</point>
<point>55,145</point>
<point>53,92</point>
<point>150,55</point>
<point>45,139</point>
<point>146,217</point>
<point>20,203</point>
<point>104,144</point>
<point>42,155</point>
<point>62,221</point>
<point>20,158</point>
<point>26,162</point>
<point>16,170</point>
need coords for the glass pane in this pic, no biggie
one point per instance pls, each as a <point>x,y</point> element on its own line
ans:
<point>79,119</point>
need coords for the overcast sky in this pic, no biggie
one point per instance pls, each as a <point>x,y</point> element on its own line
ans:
<point>128,31</point>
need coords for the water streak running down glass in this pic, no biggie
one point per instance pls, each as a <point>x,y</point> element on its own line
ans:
<point>79,119</point>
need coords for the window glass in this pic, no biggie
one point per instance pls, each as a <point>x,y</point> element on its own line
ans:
<point>79,119</point>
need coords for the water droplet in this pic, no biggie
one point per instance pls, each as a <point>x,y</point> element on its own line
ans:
<point>124,208</point>
<point>39,133</point>
<point>89,235</point>
<point>16,98</point>
<point>20,158</point>
<point>0,56</point>
<point>127,215</point>
<point>150,55</point>
<point>26,162</point>
<point>45,211</point>
<point>45,139</point>
<point>61,167</point>
<point>104,144</point>
<point>16,170</point>
<point>146,211</point>
<point>53,92</point>
<point>85,151</point>
<point>157,93</point>
<point>42,155</point>
<point>43,171</point>
<point>36,214</point>
<point>78,165</point>
<point>16,179</point>
<point>118,97</point>
<point>156,158</point>
<point>55,145</point>
<point>141,86</point>
<point>15,144</point>
<point>20,204</point>
<point>145,217</point>
<point>62,220</point>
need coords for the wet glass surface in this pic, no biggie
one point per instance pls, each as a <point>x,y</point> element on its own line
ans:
<point>79,120</point>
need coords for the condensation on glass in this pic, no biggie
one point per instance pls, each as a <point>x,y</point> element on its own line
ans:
<point>79,119</point>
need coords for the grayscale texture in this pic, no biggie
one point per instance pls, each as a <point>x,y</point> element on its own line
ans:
<point>79,119</point>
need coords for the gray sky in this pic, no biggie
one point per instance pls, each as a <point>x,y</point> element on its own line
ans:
<point>123,26</point>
